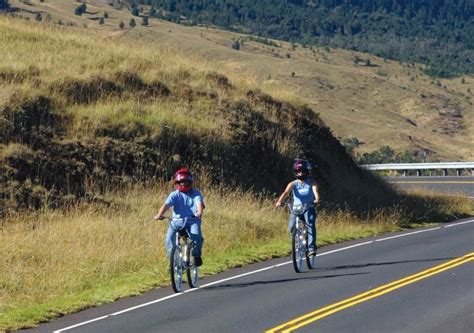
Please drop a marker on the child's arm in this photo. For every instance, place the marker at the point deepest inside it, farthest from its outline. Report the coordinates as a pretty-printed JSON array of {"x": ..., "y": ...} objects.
[
  {"x": 200, "y": 209},
  {"x": 162, "y": 212},
  {"x": 315, "y": 192},
  {"x": 285, "y": 193}
]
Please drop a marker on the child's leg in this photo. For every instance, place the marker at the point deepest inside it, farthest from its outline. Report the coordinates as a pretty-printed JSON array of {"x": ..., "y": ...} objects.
[
  {"x": 310, "y": 216},
  {"x": 196, "y": 236},
  {"x": 291, "y": 223},
  {"x": 169, "y": 241}
]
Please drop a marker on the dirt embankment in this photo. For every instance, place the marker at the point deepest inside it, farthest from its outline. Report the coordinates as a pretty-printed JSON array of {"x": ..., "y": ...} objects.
[{"x": 255, "y": 150}]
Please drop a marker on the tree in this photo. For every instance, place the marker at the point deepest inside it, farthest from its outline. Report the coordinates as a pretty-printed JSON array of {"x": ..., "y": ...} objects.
[
  {"x": 135, "y": 11},
  {"x": 81, "y": 9},
  {"x": 4, "y": 5},
  {"x": 106, "y": 15},
  {"x": 101, "y": 21},
  {"x": 145, "y": 21},
  {"x": 236, "y": 45},
  {"x": 38, "y": 17},
  {"x": 132, "y": 23},
  {"x": 121, "y": 25}
]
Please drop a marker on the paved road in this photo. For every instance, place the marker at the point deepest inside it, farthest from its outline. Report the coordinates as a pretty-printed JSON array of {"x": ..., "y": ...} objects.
[
  {"x": 263, "y": 296},
  {"x": 444, "y": 185}
]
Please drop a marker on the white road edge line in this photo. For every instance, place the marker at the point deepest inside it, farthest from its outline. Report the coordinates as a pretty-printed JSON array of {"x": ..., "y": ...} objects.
[
  {"x": 245, "y": 274},
  {"x": 456, "y": 224},
  {"x": 408, "y": 234}
]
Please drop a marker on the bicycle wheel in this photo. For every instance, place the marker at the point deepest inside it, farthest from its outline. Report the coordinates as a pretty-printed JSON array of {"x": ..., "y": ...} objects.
[
  {"x": 192, "y": 270},
  {"x": 298, "y": 251},
  {"x": 176, "y": 269}
]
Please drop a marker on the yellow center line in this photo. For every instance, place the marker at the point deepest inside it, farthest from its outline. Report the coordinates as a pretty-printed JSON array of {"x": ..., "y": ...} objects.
[{"x": 379, "y": 291}]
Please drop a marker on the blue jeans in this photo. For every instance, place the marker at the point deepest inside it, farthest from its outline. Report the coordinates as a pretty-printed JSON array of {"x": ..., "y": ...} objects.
[
  {"x": 193, "y": 226},
  {"x": 310, "y": 218}
]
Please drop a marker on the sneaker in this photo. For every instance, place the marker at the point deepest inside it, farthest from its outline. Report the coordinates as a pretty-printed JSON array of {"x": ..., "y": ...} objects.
[{"x": 198, "y": 261}]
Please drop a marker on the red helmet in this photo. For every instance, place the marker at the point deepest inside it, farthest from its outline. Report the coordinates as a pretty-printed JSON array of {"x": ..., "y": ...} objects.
[
  {"x": 302, "y": 166},
  {"x": 183, "y": 180}
]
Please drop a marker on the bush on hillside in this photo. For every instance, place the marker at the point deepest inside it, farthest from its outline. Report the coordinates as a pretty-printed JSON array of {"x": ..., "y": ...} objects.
[
  {"x": 81, "y": 9},
  {"x": 4, "y": 5},
  {"x": 86, "y": 91}
]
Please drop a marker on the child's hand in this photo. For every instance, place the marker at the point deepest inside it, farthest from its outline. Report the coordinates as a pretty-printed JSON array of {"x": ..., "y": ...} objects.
[
  {"x": 278, "y": 203},
  {"x": 158, "y": 217}
]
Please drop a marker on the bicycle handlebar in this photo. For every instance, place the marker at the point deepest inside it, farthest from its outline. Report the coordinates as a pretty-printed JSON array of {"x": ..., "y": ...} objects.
[{"x": 299, "y": 209}]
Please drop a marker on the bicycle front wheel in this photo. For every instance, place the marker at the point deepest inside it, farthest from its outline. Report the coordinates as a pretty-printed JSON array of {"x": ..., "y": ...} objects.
[
  {"x": 311, "y": 261},
  {"x": 176, "y": 269},
  {"x": 298, "y": 252},
  {"x": 192, "y": 270}
]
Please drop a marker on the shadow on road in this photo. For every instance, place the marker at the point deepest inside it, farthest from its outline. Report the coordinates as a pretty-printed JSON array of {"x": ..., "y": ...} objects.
[
  {"x": 321, "y": 270},
  {"x": 381, "y": 264},
  {"x": 301, "y": 278}
]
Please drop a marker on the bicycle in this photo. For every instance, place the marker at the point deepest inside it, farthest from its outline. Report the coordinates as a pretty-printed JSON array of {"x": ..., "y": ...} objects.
[
  {"x": 299, "y": 239},
  {"x": 181, "y": 257}
]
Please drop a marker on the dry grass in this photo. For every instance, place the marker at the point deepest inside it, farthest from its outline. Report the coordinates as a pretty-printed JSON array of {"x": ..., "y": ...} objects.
[
  {"x": 59, "y": 261},
  {"x": 81, "y": 73}
]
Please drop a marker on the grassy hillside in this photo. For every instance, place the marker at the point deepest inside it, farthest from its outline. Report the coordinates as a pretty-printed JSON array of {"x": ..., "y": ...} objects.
[
  {"x": 387, "y": 103},
  {"x": 88, "y": 114}
]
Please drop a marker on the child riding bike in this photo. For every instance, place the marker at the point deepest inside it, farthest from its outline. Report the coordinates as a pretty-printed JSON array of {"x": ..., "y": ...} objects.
[
  {"x": 186, "y": 201},
  {"x": 305, "y": 191}
]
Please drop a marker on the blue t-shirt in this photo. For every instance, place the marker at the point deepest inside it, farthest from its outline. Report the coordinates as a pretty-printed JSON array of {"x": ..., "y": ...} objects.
[
  {"x": 303, "y": 193},
  {"x": 184, "y": 203}
]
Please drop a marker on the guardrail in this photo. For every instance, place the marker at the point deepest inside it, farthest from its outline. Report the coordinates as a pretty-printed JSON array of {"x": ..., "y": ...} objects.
[{"x": 418, "y": 167}]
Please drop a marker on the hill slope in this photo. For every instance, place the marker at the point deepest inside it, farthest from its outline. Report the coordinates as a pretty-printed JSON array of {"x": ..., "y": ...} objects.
[
  {"x": 386, "y": 103},
  {"x": 436, "y": 33},
  {"x": 87, "y": 115}
]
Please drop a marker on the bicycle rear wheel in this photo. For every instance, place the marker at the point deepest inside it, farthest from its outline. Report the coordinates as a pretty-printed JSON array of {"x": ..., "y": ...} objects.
[
  {"x": 176, "y": 269},
  {"x": 192, "y": 270},
  {"x": 298, "y": 252}
]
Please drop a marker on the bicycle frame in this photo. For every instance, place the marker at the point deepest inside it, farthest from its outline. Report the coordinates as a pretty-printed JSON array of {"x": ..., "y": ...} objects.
[
  {"x": 181, "y": 253},
  {"x": 299, "y": 237}
]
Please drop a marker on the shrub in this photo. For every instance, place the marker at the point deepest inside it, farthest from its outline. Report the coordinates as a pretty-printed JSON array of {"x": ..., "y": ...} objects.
[
  {"x": 4, "y": 4},
  {"x": 81, "y": 9},
  {"x": 236, "y": 45}
]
